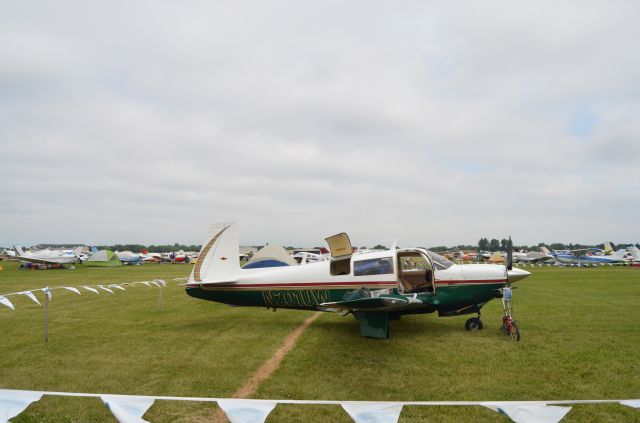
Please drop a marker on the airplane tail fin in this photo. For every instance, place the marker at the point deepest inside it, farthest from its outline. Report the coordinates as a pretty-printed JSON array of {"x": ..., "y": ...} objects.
[
  {"x": 218, "y": 261},
  {"x": 545, "y": 250},
  {"x": 635, "y": 253},
  {"x": 19, "y": 250},
  {"x": 608, "y": 249}
]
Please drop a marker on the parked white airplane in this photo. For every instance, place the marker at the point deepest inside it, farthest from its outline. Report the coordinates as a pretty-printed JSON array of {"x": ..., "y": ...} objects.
[
  {"x": 373, "y": 286},
  {"x": 635, "y": 254},
  {"x": 49, "y": 257},
  {"x": 532, "y": 256}
]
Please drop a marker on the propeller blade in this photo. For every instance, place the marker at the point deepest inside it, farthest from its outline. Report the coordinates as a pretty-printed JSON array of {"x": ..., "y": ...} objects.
[{"x": 509, "y": 254}]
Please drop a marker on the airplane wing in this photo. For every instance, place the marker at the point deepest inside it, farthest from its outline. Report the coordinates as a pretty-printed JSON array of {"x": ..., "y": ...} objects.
[
  {"x": 382, "y": 303},
  {"x": 37, "y": 260}
]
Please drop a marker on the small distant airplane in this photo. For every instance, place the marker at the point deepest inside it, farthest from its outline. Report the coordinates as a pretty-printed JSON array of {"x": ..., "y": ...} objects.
[
  {"x": 533, "y": 256},
  {"x": 7, "y": 253},
  {"x": 49, "y": 257},
  {"x": 373, "y": 286},
  {"x": 635, "y": 254},
  {"x": 128, "y": 257},
  {"x": 304, "y": 257},
  {"x": 585, "y": 256}
]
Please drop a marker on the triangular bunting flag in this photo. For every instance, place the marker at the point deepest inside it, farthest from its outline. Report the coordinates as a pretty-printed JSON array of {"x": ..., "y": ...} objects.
[
  {"x": 47, "y": 292},
  {"x": 72, "y": 289},
  {"x": 246, "y": 411},
  {"x": 146, "y": 283},
  {"x": 631, "y": 403},
  {"x": 525, "y": 413},
  {"x": 373, "y": 412},
  {"x": 156, "y": 283},
  {"x": 30, "y": 295},
  {"x": 105, "y": 288},
  {"x": 116, "y": 286},
  {"x": 13, "y": 402},
  {"x": 161, "y": 282},
  {"x": 127, "y": 409},
  {"x": 5, "y": 301},
  {"x": 88, "y": 288}
]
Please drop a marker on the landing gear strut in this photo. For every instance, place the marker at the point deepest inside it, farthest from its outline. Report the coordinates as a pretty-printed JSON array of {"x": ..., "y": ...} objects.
[{"x": 474, "y": 323}]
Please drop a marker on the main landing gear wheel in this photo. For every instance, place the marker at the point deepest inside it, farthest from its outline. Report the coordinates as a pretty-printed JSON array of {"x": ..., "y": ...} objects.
[{"x": 474, "y": 323}]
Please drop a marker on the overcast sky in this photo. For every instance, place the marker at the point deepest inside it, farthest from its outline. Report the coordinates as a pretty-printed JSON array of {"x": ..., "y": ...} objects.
[{"x": 430, "y": 122}]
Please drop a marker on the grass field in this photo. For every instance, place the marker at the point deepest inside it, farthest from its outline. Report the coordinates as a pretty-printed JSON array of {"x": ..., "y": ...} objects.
[{"x": 580, "y": 339}]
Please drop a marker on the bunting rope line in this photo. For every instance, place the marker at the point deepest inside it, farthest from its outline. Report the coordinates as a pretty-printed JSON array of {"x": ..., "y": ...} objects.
[
  {"x": 76, "y": 289},
  {"x": 125, "y": 407},
  {"x": 335, "y": 402}
]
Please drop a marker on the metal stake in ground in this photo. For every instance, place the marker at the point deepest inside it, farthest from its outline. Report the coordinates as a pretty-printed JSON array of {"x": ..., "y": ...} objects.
[
  {"x": 46, "y": 314},
  {"x": 161, "y": 302}
]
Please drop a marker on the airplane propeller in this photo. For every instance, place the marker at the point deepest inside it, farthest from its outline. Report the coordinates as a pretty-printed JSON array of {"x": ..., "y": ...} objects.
[{"x": 510, "y": 254}]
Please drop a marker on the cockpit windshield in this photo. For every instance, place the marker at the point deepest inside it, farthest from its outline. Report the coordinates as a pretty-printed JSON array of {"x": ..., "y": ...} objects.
[{"x": 439, "y": 262}]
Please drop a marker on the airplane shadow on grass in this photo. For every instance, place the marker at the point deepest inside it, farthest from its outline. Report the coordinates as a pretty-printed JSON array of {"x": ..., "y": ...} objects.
[{"x": 407, "y": 327}]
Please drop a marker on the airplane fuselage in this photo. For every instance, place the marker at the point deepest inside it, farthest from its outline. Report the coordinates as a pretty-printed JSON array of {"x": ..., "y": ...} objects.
[{"x": 457, "y": 290}]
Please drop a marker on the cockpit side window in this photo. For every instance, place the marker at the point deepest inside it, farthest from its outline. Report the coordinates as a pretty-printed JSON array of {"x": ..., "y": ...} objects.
[{"x": 439, "y": 262}]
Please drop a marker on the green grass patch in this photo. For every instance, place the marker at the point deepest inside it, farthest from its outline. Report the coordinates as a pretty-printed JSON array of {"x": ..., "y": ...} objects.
[{"x": 579, "y": 341}]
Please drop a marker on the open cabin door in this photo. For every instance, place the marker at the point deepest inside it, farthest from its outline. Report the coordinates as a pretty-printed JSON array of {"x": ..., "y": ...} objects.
[
  {"x": 341, "y": 252},
  {"x": 415, "y": 272}
]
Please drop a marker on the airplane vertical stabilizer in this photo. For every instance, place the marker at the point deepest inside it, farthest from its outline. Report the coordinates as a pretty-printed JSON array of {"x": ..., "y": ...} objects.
[
  {"x": 19, "y": 250},
  {"x": 635, "y": 253},
  {"x": 218, "y": 260},
  {"x": 608, "y": 249}
]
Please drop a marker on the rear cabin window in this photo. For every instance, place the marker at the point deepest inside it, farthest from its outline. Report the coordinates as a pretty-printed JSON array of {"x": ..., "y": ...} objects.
[{"x": 379, "y": 266}]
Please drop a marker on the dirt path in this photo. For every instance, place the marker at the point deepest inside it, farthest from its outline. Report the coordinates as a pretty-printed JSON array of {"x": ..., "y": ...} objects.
[{"x": 268, "y": 367}]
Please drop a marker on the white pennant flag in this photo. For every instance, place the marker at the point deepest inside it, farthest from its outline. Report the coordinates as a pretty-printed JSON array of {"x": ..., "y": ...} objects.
[
  {"x": 105, "y": 288},
  {"x": 116, "y": 286},
  {"x": 156, "y": 283},
  {"x": 5, "y": 301},
  {"x": 146, "y": 283},
  {"x": 30, "y": 295},
  {"x": 88, "y": 288},
  {"x": 373, "y": 412},
  {"x": 247, "y": 411},
  {"x": 48, "y": 293},
  {"x": 161, "y": 282},
  {"x": 631, "y": 403},
  {"x": 525, "y": 413},
  {"x": 13, "y": 402},
  {"x": 127, "y": 409},
  {"x": 72, "y": 289}
]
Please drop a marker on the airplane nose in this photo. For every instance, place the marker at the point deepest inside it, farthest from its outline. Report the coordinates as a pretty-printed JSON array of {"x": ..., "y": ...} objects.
[{"x": 516, "y": 274}]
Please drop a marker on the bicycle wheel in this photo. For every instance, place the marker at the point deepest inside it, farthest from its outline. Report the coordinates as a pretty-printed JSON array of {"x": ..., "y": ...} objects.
[{"x": 513, "y": 331}]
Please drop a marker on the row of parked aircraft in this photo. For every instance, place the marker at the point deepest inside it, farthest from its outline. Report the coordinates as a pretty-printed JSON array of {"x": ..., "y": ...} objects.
[
  {"x": 267, "y": 255},
  {"x": 582, "y": 257},
  {"x": 69, "y": 257}
]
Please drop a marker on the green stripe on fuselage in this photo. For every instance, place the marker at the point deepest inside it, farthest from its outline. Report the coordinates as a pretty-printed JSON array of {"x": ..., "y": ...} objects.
[{"x": 448, "y": 299}]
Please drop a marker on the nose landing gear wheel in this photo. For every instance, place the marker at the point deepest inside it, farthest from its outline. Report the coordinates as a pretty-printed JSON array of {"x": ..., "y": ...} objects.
[{"x": 474, "y": 323}]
